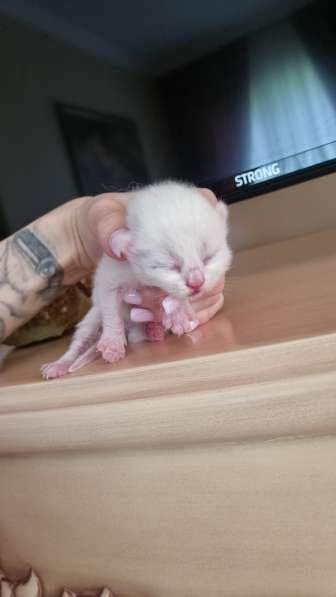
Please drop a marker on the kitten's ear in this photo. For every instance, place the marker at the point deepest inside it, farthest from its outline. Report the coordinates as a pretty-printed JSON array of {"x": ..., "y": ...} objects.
[
  {"x": 120, "y": 241},
  {"x": 222, "y": 210}
]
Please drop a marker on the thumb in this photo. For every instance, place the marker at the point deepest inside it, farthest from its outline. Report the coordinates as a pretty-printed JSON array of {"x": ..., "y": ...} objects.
[{"x": 107, "y": 214}]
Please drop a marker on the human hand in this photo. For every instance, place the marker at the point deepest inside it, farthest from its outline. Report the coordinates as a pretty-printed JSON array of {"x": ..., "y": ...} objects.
[{"x": 147, "y": 304}]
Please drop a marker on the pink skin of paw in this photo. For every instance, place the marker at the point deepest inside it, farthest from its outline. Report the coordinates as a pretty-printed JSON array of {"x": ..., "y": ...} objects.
[
  {"x": 179, "y": 316},
  {"x": 112, "y": 348},
  {"x": 55, "y": 369}
]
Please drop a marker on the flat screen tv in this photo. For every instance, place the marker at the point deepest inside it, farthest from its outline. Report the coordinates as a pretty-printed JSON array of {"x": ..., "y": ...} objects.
[{"x": 260, "y": 113}]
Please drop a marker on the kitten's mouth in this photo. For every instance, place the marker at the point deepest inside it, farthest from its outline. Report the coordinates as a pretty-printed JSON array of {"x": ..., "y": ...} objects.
[{"x": 197, "y": 292}]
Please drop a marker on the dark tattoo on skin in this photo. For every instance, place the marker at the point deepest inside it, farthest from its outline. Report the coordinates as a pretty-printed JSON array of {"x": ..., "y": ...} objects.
[
  {"x": 23, "y": 258},
  {"x": 28, "y": 247},
  {"x": 4, "y": 276},
  {"x": 13, "y": 312},
  {"x": 41, "y": 260}
]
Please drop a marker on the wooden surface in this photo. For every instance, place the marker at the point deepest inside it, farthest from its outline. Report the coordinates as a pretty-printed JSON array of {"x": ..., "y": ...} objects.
[
  {"x": 276, "y": 333},
  {"x": 283, "y": 292},
  {"x": 204, "y": 466},
  {"x": 242, "y": 520}
]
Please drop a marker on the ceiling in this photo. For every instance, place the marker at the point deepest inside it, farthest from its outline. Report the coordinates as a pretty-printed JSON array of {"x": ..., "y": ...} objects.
[{"x": 152, "y": 36}]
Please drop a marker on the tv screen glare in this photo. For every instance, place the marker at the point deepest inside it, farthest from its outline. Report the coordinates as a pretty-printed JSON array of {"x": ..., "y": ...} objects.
[{"x": 260, "y": 113}]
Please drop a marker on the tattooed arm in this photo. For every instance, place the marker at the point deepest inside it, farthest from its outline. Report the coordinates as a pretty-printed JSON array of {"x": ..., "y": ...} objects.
[{"x": 36, "y": 264}]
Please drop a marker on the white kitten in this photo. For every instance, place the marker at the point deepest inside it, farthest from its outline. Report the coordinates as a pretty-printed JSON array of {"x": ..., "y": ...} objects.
[{"x": 175, "y": 240}]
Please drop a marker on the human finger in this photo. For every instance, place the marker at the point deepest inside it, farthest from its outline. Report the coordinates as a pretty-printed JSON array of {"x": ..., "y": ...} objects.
[
  {"x": 145, "y": 299},
  {"x": 206, "y": 314},
  {"x": 106, "y": 215}
]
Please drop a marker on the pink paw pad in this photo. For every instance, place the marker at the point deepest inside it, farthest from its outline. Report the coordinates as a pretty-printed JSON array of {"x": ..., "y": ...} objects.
[
  {"x": 111, "y": 349},
  {"x": 55, "y": 369},
  {"x": 154, "y": 331},
  {"x": 179, "y": 318}
]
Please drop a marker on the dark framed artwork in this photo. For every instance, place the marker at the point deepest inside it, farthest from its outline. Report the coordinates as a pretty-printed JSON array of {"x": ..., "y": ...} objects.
[{"x": 105, "y": 150}]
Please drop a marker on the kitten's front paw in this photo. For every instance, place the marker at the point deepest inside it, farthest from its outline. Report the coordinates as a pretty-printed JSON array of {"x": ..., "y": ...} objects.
[
  {"x": 55, "y": 369},
  {"x": 112, "y": 348},
  {"x": 179, "y": 316}
]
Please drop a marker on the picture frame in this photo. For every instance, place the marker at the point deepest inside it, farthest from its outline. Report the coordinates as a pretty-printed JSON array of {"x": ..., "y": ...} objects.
[{"x": 105, "y": 150}]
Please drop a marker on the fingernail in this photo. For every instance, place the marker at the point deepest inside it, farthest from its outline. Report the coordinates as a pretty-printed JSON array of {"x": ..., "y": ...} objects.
[
  {"x": 141, "y": 315},
  {"x": 193, "y": 325},
  {"x": 133, "y": 298},
  {"x": 169, "y": 305},
  {"x": 116, "y": 243}
]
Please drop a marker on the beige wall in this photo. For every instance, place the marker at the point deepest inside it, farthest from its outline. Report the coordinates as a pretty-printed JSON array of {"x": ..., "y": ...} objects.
[
  {"x": 293, "y": 211},
  {"x": 36, "y": 71}
]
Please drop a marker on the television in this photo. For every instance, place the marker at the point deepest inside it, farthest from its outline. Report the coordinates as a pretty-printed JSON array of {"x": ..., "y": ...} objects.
[{"x": 260, "y": 113}]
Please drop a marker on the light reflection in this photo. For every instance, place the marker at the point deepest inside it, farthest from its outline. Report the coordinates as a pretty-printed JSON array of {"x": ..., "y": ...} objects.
[{"x": 290, "y": 108}]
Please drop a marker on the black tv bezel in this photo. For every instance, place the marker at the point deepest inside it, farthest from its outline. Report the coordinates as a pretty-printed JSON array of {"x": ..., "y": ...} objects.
[{"x": 277, "y": 183}]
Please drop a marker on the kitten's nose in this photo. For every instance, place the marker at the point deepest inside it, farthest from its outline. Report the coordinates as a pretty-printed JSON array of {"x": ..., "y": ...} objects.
[{"x": 195, "y": 279}]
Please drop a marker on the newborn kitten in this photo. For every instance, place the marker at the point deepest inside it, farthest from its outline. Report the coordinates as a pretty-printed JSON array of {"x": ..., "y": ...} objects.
[{"x": 175, "y": 240}]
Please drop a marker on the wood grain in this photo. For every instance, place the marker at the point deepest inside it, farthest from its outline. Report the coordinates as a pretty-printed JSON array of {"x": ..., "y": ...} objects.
[
  {"x": 214, "y": 520},
  {"x": 204, "y": 466}
]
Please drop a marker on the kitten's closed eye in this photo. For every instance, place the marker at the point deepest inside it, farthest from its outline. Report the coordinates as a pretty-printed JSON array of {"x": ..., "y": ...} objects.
[
  {"x": 208, "y": 258},
  {"x": 167, "y": 266}
]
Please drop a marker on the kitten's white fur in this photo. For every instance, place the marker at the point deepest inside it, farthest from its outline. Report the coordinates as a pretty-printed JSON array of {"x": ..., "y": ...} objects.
[{"x": 172, "y": 230}]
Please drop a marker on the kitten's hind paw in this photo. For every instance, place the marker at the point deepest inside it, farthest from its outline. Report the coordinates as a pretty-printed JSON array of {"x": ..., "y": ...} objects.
[
  {"x": 154, "y": 331},
  {"x": 112, "y": 349},
  {"x": 55, "y": 369}
]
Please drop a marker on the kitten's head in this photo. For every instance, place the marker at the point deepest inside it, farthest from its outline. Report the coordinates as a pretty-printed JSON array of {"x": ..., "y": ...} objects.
[{"x": 177, "y": 239}]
